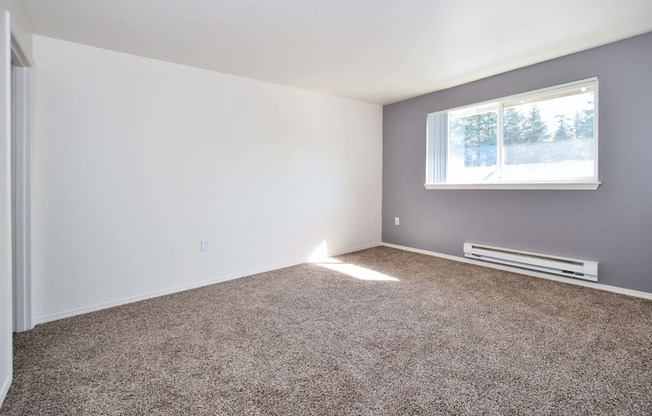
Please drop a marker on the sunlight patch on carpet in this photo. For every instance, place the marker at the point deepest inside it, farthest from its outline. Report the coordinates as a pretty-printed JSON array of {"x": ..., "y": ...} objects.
[
  {"x": 361, "y": 273},
  {"x": 321, "y": 258}
]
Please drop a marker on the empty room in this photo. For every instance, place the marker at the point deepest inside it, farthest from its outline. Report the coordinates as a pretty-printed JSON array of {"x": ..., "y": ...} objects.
[{"x": 247, "y": 207}]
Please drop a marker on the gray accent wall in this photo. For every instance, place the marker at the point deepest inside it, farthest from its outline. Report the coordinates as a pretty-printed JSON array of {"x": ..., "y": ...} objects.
[{"x": 612, "y": 225}]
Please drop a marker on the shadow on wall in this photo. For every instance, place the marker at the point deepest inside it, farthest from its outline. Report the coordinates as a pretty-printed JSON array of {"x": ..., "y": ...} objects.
[{"x": 321, "y": 258}]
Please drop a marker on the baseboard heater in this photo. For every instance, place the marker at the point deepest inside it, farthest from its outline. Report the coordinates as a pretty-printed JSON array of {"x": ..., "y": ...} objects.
[{"x": 562, "y": 266}]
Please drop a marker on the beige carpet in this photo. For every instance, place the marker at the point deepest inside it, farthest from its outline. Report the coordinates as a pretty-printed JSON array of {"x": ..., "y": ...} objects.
[{"x": 446, "y": 338}]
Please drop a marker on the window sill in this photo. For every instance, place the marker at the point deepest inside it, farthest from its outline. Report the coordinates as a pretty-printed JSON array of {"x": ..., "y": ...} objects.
[{"x": 570, "y": 186}]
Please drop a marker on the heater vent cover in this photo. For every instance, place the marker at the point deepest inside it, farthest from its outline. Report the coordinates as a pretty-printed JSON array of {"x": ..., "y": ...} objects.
[{"x": 562, "y": 266}]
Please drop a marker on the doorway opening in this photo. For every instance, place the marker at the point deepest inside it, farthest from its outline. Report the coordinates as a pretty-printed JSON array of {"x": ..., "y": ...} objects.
[{"x": 21, "y": 158}]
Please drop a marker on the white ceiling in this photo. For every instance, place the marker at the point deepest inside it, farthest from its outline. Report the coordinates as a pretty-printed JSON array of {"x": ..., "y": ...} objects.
[{"x": 379, "y": 51}]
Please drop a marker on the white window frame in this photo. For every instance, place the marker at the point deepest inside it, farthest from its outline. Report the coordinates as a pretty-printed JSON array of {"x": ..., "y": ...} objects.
[{"x": 436, "y": 147}]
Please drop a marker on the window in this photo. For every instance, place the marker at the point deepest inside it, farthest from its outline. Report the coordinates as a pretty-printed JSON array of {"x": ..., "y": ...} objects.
[{"x": 544, "y": 139}]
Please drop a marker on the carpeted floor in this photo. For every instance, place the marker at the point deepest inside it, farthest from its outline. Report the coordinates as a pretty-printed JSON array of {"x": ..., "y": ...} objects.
[{"x": 445, "y": 338}]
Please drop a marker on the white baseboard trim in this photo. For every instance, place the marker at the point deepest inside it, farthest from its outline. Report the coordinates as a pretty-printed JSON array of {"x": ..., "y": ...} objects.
[
  {"x": 352, "y": 250},
  {"x": 5, "y": 389},
  {"x": 130, "y": 299},
  {"x": 599, "y": 286}
]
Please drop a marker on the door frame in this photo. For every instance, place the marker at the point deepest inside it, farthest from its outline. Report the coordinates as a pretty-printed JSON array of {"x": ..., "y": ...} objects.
[
  {"x": 22, "y": 161},
  {"x": 6, "y": 302}
]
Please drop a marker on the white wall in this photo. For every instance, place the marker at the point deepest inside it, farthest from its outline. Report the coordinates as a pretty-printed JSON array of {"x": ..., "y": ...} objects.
[{"x": 137, "y": 160}]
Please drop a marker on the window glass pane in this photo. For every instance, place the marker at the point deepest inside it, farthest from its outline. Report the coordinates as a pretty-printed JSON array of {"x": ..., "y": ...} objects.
[
  {"x": 472, "y": 144},
  {"x": 549, "y": 137},
  {"x": 545, "y": 136}
]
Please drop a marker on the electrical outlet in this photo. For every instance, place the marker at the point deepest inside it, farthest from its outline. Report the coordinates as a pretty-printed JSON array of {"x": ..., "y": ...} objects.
[
  {"x": 205, "y": 245},
  {"x": 396, "y": 221}
]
